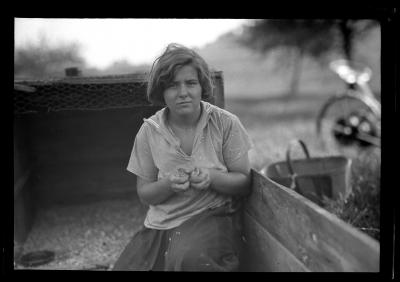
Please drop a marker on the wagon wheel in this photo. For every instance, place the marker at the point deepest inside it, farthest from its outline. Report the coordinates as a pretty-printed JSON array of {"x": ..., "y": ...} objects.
[{"x": 349, "y": 123}]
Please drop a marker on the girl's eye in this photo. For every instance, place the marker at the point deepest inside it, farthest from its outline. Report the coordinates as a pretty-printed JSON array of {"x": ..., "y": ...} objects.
[{"x": 192, "y": 83}]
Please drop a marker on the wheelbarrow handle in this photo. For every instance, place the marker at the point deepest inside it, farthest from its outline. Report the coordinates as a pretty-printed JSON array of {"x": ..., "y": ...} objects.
[{"x": 288, "y": 158}]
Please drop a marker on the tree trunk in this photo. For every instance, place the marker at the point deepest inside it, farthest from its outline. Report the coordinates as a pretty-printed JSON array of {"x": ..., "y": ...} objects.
[
  {"x": 346, "y": 30},
  {"x": 297, "y": 63}
]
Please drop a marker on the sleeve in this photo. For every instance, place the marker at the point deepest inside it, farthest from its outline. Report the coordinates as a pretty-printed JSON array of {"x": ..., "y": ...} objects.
[
  {"x": 236, "y": 140},
  {"x": 141, "y": 161}
]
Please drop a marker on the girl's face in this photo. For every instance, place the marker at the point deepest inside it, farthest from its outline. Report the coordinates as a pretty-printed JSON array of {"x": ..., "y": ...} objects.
[{"x": 183, "y": 95}]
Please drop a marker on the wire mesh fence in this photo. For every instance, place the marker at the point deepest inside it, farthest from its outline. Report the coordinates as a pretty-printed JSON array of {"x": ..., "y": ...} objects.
[{"x": 83, "y": 93}]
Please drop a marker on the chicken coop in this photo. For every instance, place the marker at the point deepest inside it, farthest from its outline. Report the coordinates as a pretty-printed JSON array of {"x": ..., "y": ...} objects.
[{"x": 73, "y": 137}]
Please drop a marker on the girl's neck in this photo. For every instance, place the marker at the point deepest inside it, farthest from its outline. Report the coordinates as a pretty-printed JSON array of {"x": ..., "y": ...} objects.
[{"x": 186, "y": 121}]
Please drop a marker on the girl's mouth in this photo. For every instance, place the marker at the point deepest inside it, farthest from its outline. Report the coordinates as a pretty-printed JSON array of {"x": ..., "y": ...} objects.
[{"x": 184, "y": 103}]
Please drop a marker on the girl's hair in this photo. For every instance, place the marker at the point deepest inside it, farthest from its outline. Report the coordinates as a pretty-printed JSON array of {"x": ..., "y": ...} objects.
[{"x": 165, "y": 67}]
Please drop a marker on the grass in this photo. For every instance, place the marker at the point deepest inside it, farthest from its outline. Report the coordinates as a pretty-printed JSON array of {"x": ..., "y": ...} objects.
[
  {"x": 362, "y": 208},
  {"x": 273, "y": 122}
]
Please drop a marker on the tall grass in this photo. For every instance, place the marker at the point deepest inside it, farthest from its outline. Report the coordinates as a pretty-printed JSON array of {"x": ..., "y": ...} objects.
[
  {"x": 362, "y": 208},
  {"x": 273, "y": 123}
]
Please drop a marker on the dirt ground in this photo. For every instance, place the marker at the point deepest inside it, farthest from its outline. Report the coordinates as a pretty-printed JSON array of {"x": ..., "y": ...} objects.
[{"x": 86, "y": 236}]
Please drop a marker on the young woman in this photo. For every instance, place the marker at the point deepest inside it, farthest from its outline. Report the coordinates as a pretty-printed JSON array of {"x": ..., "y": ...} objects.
[{"x": 192, "y": 167}]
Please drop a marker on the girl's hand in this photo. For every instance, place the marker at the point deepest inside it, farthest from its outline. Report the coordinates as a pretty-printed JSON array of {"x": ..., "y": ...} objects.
[
  {"x": 179, "y": 180},
  {"x": 200, "y": 178}
]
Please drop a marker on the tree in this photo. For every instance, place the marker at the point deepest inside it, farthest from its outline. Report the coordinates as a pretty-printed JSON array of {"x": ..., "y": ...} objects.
[
  {"x": 42, "y": 60},
  {"x": 350, "y": 30},
  {"x": 300, "y": 37}
]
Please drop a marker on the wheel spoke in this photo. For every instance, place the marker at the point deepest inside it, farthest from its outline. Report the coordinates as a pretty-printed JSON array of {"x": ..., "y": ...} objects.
[{"x": 347, "y": 121}]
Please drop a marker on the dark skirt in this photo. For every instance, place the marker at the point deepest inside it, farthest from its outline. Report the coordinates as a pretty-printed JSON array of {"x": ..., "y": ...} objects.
[{"x": 210, "y": 241}]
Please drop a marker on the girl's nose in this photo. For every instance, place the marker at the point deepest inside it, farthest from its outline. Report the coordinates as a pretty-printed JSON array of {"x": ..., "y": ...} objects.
[{"x": 183, "y": 90}]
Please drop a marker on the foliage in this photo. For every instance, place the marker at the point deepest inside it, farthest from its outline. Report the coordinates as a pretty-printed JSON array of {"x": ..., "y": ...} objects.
[
  {"x": 315, "y": 37},
  {"x": 42, "y": 59},
  {"x": 362, "y": 208},
  {"x": 311, "y": 36},
  {"x": 303, "y": 37},
  {"x": 117, "y": 67}
]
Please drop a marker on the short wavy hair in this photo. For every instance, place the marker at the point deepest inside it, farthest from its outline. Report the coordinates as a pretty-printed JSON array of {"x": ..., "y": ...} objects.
[{"x": 165, "y": 67}]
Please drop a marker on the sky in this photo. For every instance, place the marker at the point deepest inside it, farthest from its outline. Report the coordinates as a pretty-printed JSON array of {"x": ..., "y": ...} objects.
[{"x": 139, "y": 41}]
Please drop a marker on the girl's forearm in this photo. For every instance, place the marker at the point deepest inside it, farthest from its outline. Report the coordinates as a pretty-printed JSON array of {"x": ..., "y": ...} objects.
[
  {"x": 230, "y": 183},
  {"x": 155, "y": 192}
]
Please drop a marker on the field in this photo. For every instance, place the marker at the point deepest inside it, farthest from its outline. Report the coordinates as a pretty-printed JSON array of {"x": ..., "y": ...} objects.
[{"x": 272, "y": 123}]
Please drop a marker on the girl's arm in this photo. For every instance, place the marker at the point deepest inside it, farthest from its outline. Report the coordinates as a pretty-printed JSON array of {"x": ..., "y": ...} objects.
[
  {"x": 153, "y": 193},
  {"x": 234, "y": 182}
]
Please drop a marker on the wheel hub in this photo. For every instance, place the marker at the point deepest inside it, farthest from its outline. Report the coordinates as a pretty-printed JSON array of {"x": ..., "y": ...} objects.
[{"x": 355, "y": 129}]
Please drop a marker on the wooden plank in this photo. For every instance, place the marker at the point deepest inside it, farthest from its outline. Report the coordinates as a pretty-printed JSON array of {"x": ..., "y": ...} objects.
[
  {"x": 24, "y": 214},
  {"x": 319, "y": 239},
  {"x": 263, "y": 253},
  {"x": 23, "y": 84},
  {"x": 70, "y": 183},
  {"x": 218, "y": 97}
]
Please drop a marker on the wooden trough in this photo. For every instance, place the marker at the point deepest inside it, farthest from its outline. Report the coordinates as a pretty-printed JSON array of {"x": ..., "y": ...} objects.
[{"x": 72, "y": 137}]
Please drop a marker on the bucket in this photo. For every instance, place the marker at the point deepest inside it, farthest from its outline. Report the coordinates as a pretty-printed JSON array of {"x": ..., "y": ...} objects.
[{"x": 314, "y": 178}]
